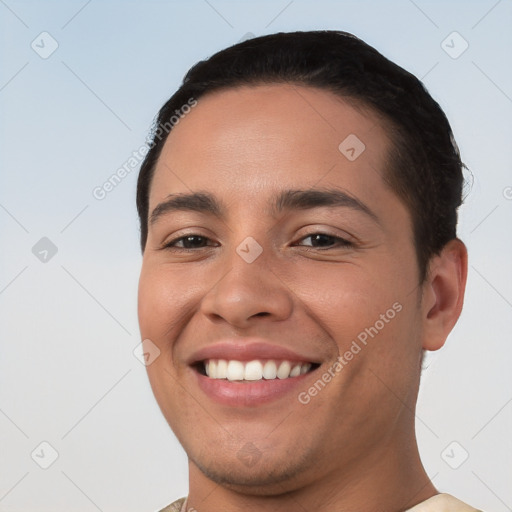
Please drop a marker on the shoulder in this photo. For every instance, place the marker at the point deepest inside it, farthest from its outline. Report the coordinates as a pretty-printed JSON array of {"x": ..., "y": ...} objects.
[
  {"x": 176, "y": 506},
  {"x": 442, "y": 503}
]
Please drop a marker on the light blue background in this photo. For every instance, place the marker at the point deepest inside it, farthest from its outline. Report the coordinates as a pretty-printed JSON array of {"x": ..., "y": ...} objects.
[{"x": 68, "y": 327}]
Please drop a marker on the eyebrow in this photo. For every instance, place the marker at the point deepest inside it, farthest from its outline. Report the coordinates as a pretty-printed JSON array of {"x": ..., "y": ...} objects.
[{"x": 286, "y": 200}]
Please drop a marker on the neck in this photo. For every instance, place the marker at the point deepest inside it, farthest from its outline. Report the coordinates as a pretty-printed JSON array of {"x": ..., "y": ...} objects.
[{"x": 390, "y": 478}]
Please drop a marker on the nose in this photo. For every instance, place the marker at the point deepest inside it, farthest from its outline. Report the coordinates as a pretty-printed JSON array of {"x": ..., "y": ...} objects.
[{"x": 247, "y": 292}]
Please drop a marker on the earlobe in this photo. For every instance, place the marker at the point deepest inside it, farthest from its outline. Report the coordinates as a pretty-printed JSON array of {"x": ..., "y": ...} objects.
[{"x": 443, "y": 294}]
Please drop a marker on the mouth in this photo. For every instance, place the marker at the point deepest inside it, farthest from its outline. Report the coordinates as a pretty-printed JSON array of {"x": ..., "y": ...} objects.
[
  {"x": 257, "y": 382},
  {"x": 253, "y": 371},
  {"x": 250, "y": 373}
]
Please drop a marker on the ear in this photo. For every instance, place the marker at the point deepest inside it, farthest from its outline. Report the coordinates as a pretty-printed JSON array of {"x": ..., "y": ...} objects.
[{"x": 443, "y": 293}]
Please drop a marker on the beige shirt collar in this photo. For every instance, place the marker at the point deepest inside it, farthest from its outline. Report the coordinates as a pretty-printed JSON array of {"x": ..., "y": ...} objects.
[
  {"x": 442, "y": 503},
  {"x": 438, "y": 503}
]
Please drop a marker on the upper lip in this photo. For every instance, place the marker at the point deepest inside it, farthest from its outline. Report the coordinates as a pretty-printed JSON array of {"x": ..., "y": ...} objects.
[{"x": 248, "y": 351}]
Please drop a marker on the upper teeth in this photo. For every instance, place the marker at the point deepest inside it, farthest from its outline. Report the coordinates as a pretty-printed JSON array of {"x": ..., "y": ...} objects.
[{"x": 253, "y": 370}]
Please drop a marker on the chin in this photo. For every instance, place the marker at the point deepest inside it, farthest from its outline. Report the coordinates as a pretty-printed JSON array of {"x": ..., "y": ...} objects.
[{"x": 255, "y": 474}]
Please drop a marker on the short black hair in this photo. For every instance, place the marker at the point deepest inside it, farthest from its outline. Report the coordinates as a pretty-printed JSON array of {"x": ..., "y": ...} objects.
[{"x": 424, "y": 168}]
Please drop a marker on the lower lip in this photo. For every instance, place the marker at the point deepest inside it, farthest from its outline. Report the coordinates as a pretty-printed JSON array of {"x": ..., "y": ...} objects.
[{"x": 249, "y": 393}]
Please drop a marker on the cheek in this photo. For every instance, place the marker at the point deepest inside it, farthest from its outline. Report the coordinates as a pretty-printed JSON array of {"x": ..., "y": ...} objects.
[
  {"x": 161, "y": 301},
  {"x": 371, "y": 315},
  {"x": 349, "y": 300},
  {"x": 160, "y": 304},
  {"x": 150, "y": 303},
  {"x": 167, "y": 300}
]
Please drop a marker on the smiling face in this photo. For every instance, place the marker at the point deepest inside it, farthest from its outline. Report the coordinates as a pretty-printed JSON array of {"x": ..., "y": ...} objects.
[{"x": 270, "y": 249}]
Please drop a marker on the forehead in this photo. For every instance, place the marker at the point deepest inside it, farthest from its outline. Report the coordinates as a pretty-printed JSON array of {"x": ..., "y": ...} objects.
[{"x": 257, "y": 139}]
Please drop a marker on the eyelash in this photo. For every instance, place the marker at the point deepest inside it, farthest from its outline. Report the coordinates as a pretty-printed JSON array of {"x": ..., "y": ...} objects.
[{"x": 341, "y": 242}]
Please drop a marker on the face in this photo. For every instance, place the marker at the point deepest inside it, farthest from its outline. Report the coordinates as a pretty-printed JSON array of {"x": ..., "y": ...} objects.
[{"x": 279, "y": 282}]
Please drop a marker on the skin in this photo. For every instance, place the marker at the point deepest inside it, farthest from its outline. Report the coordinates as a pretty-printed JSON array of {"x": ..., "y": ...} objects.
[{"x": 353, "y": 446}]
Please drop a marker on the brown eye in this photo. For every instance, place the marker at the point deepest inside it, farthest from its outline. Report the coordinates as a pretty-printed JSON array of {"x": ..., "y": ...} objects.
[
  {"x": 324, "y": 240},
  {"x": 189, "y": 242}
]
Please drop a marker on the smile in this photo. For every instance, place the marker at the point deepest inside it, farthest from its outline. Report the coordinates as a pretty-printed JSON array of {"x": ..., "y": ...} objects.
[
  {"x": 250, "y": 372},
  {"x": 255, "y": 370}
]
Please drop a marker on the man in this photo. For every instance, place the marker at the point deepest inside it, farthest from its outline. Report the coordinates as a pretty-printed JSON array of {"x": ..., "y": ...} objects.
[{"x": 298, "y": 211}]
